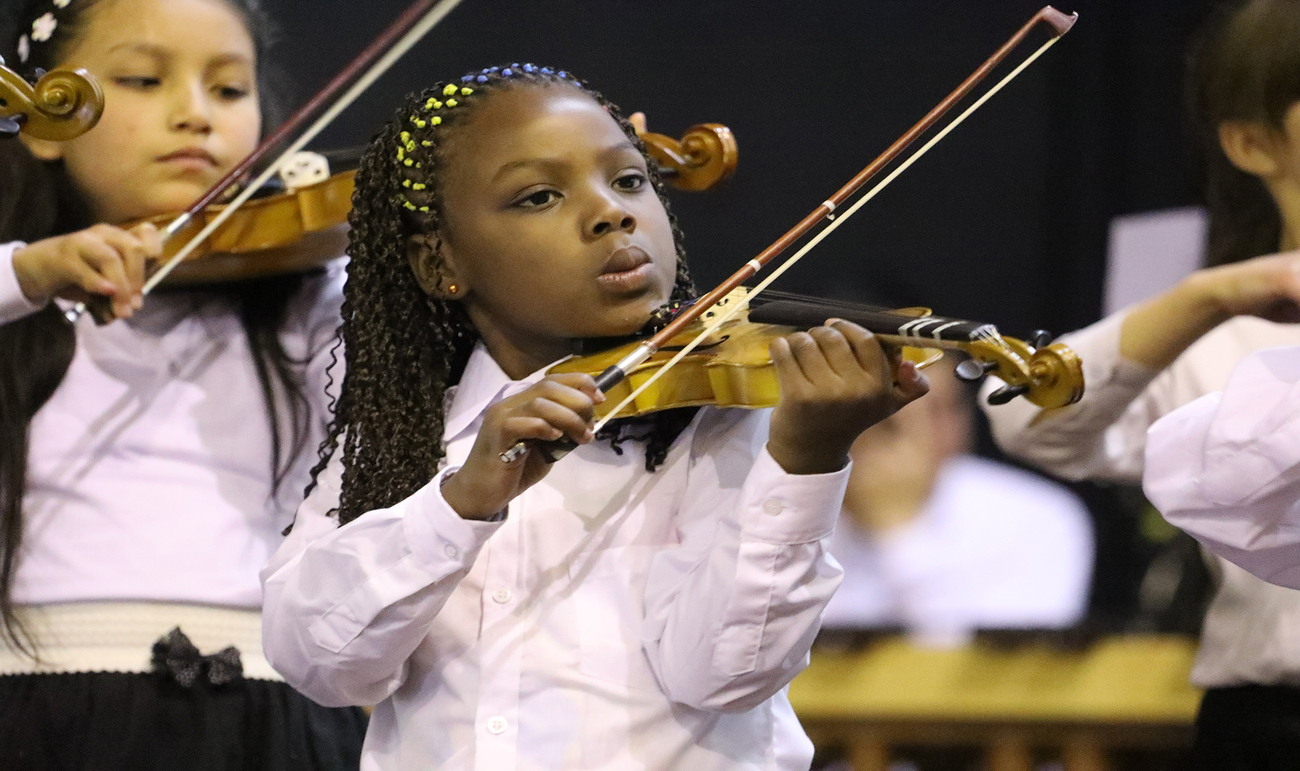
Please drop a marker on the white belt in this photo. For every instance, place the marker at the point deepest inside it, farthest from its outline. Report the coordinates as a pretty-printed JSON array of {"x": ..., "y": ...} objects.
[{"x": 119, "y": 636}]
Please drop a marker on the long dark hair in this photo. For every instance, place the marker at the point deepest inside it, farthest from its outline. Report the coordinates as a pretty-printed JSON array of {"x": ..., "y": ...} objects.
[
  {"x": 405, "y": 348},
  {"x": 1245, "y": 66},
  {"x": 39, "y": 200}
]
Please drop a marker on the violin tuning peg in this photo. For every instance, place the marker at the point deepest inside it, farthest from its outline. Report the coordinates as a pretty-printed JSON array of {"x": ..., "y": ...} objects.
[
  {"x": 1040, "y": 338},
  {"x": 9, "y": 127},
  {"x": 1007, "y": 393},
  {"x": 974, "y": 370}
]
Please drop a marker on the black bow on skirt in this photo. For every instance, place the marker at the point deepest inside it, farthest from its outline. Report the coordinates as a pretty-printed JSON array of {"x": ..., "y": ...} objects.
[{"x": 176, "y": 657}]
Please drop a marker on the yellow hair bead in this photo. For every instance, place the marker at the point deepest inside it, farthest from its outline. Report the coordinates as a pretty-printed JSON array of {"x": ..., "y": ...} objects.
[
  {"x": 410, "y": 147},
  {"x": 435, "y": 120},
  {"x": 428, "y": 105},
  {"x": 452, "y": 103},
  {"x": 466, "y": 91},
  {"x": 449, "y": 90},
  {"x": 406, "y": 183},
  {"x": 427, "y": 143},
  {"x": 406, "y": 136},
  {"x": 418, "y": 185},
  {"x": 400, "y": 153},
  {"x": 409, "y": 205},
  {"x": 424, "y": 208},
  {"x": 408, "y": 161},
  {"x": 436, "y": 104}
]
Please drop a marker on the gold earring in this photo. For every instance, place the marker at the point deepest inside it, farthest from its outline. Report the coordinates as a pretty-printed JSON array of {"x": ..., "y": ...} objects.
[{"x": 452, "y": 289}]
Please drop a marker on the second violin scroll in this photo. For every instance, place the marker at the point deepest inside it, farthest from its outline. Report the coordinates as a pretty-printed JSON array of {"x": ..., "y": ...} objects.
[{"x": 63, "y": 104}]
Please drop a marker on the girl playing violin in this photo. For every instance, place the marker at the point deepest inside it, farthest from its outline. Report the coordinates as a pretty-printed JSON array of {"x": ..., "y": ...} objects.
[
  {"x": 643, "y": 602},
  {"x": 1150, "y": 359},
  {"x": 150, "y": 464}
]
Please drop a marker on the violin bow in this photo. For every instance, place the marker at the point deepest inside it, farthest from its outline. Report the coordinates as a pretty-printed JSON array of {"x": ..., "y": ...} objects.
[
  {"x": 364, "y": 70},
  {"x": 824, "y": 214}
]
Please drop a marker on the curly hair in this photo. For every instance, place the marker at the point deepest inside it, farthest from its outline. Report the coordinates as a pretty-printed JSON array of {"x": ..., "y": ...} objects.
[{"x": 405, "y": 348}]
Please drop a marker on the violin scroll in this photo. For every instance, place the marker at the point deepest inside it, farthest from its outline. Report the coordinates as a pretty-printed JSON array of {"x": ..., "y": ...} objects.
[
  {"x": 62, "y": 105},
  {"x": 1050, "y": 376},
  {"x": 705, "y": 155}
]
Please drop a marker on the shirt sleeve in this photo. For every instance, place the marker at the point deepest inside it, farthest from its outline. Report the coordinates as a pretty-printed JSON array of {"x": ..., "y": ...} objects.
[
  {"x": 345, "y": 607},
  {"x": 731, "y": 611},
  {"x": 1103, "y": 436},
  {"x": 1226, "y": 467},
  {"x": 14, "y": 304}
]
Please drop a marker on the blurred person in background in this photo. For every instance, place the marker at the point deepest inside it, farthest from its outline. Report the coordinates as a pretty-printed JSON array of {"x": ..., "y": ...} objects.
[{"x": 941, "y": 542}]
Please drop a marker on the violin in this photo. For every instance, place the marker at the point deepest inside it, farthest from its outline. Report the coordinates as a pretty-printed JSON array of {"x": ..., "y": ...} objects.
[
  {"x": 62, "y": 104},
  {"x": 731, "y": 367}
]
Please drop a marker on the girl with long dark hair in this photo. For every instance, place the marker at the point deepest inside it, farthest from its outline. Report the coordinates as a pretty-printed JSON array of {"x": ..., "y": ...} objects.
[{"x": 149, "y": 465}]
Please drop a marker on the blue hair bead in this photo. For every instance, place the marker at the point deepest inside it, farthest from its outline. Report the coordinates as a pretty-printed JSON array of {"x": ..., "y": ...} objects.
[
  {"x": 562, "y": 74},
  {"x": 547, "y": 71},
  {"x": 507, "y": 72},
  {"x": 482, "y": 78},
  {"x": 490, "y": 70},
  {"x": 466, "y": 78},
  {"x": 529, "y": 68}
]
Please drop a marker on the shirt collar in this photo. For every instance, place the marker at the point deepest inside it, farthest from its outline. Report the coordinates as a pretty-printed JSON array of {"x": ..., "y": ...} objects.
[{"x": 483, "y": 384}]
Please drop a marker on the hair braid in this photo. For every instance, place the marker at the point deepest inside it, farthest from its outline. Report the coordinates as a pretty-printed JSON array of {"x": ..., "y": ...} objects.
[{"x": 404, "y": 347}]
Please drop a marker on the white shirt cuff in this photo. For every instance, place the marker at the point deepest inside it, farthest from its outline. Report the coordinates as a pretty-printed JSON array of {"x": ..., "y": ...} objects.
[
  {"x": 437, "y": 534},
  {"x": 14, "y": 304},
  {"x": 789, "y": 508}
]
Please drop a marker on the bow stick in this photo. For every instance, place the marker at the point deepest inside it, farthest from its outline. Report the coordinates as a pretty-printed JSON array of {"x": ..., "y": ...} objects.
[
  {"x": 369, "y": 65},
  {"x": 1060, "y": 23}
]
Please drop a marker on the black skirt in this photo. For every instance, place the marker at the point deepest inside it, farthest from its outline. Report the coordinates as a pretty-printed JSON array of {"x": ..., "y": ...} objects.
[
  {"x": 1248, "y": 728},
  {"x": 106, "y": 721}
]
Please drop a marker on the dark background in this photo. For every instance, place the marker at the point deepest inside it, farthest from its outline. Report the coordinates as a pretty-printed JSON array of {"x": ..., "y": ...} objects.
[{"x": 1004, "y": 222}]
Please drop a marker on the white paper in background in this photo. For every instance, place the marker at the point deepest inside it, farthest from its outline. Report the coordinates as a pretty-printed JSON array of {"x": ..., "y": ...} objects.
[{"x": 1150, "y": 252}]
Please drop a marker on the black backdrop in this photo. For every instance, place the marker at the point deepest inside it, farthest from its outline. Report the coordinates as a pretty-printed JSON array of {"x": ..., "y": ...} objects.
[{"x": 1005, "y": 221}]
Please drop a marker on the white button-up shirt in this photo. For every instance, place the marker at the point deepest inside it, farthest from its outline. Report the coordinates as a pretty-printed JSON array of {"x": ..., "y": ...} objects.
[
  {"x": 149, "y": 468},
  {"x": 1249, "y": 634},
  {"x": 616, "y": 619},
  {"x": 1226, "y": 468}
]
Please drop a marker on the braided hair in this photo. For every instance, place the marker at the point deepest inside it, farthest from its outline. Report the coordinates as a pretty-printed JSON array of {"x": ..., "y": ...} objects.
[{"x": 405, "y": 348}]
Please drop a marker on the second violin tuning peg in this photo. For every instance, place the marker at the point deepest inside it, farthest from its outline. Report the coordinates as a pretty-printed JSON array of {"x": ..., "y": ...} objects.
[
  {"x": 974, "y": 370},
  {"x": 9, "y": 127},
  {"x": 1040, "y": 338},
  {"x": 1007, "y": 393}
]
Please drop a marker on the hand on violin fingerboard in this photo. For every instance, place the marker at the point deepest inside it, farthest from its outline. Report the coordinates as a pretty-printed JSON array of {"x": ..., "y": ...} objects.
[
  {"x": 836, "y": 381},
  {"x": 557, "y": 406},
  {"x": 99, "y": 261}
]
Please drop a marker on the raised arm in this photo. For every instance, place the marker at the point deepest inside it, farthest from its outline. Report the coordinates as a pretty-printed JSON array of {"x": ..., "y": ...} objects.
[{"x": 1226, "y": 468}]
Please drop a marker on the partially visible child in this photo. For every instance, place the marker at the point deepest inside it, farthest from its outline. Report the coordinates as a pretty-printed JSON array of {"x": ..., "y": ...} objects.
[
  {"x": 149, "y": 465},
  {"x": 644, "y": 602},
  {"x": 1150, "y": 359},
  {"x": 1226, "y": 468}
]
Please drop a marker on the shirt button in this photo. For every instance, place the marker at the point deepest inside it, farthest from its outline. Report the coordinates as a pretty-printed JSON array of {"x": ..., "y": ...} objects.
[
  {"x": 502, "y": 595},
  {"x": 451, "y": 551},
  {"x": 498, "y": 725},
  {"x": 772, "y": 506}
]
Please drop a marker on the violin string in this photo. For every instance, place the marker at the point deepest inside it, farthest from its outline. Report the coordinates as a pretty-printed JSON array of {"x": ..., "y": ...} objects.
[{"x": 834, "y": 223}]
